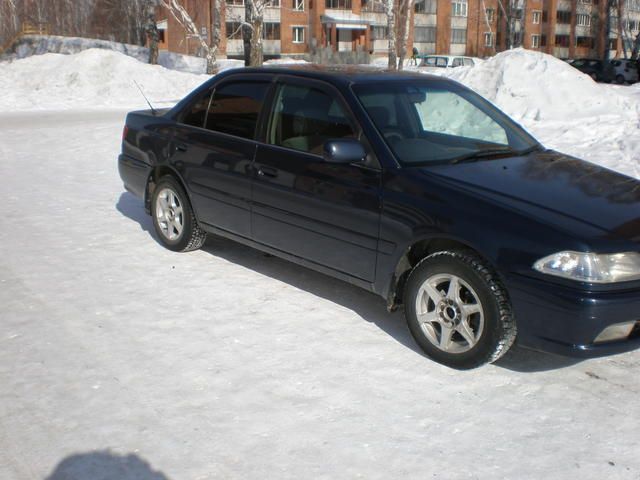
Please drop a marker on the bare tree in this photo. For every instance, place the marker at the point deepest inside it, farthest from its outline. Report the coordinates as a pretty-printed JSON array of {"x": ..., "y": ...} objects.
[
  {"x": 210, "y": 49},
  {"x": 403, "y": 25},
  {"x": 390, "y": 11},
  {"x": 252, "y": 26},
  {"x": 153, "y": 35}
]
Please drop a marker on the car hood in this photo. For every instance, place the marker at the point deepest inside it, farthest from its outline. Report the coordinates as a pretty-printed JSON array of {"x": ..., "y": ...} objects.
[{"x": 552, "y": 185}]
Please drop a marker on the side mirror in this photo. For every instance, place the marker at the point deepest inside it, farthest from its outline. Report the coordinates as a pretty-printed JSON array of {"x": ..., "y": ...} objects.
[{"x": 345, "y": 150}]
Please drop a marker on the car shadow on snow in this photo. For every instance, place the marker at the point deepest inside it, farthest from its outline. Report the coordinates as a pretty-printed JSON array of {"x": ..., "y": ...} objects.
[
  {"x": 367, "y": 305},
  {"x": 105, "y": 465}
]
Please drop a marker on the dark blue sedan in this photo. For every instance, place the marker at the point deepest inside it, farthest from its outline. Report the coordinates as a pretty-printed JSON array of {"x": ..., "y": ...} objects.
[{"x": 407, "y": 185}]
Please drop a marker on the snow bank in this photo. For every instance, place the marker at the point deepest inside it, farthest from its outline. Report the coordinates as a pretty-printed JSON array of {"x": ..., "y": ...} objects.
[
  {"x": 93, "y": 78},
  {"x": 30, "y": 45},
  {"x": 563, "y": 108},
  {"x": 538, "y": 86}
]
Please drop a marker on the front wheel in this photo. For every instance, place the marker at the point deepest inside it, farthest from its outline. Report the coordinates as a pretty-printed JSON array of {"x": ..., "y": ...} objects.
[
  {"x": 620, "y": 79},
  {"x": 458, "y": 311},
  {"x": 173, "y": 218}
]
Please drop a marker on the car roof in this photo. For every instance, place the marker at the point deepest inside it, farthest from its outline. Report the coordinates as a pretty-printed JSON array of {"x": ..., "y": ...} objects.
[{"x": 337, "y": 74}]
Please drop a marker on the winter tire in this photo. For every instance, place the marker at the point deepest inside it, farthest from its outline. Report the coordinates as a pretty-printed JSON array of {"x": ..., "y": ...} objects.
[
  {"x": 458, "y": 311},
  {"x": 173, "y": 218}
]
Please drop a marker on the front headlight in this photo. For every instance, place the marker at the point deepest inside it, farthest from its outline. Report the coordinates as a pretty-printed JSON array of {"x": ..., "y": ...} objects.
[{"x": 592, "y": 267}]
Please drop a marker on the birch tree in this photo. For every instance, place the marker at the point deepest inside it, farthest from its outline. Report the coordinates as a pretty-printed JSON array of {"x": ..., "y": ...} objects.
[
  {"x": 403, "y": 25},
  {"x": 210, "y": 49}
]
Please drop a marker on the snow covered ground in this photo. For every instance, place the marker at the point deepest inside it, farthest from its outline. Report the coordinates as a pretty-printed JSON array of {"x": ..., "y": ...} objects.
[{"x": 122, "y": 360}]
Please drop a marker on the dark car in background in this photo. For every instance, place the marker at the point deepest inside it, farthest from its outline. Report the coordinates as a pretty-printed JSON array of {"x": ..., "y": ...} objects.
[
  {"x": 410, "y": 186},
  {"x": 599, "y": 70}
]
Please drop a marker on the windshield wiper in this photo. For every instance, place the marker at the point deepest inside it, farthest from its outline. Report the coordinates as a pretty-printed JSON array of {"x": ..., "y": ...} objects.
[
  {"x": 492, "y": 152},
  {"x": 470, "y": 157}
]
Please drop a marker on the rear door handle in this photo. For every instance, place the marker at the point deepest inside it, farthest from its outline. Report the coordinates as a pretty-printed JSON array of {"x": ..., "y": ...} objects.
[{"x": 267, "y": 171}]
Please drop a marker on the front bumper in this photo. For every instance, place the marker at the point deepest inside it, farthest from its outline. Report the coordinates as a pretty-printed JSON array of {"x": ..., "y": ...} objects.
[{"x": 564, "y": 320}]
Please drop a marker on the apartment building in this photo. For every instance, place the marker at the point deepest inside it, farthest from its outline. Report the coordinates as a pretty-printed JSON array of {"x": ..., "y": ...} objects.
[{"x": 564, "y": 28}]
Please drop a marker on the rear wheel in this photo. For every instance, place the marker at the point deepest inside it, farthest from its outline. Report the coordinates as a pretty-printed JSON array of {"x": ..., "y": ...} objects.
[
  {"x": 458, "y": 311},
  {"x": 620, "y": 79},
  {"x": 173, "y": 217}
]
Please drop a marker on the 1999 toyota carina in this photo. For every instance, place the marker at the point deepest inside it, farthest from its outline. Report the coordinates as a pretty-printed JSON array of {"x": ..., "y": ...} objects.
[{"x": 410, "y": 186}]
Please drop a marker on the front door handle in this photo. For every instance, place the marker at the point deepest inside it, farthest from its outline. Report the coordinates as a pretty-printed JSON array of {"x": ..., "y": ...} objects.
[
  {"x": 267, "y": 171},
  {"x": 181, "y": 147}
]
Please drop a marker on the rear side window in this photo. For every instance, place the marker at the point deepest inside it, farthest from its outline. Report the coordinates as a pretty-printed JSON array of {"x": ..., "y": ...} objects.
[
  {"x": 457, "y": 62},
  {"x": 235, "y": 108},
  {"x": 196, "y": 113}
]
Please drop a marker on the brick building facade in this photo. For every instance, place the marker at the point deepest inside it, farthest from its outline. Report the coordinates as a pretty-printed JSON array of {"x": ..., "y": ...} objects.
[{"x": 564, "y": 28}]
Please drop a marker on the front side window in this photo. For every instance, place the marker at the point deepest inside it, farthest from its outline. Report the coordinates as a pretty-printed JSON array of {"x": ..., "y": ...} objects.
[
  {"x": 304, "y": 118},
  {"x": 235, "y": 108},
  {"x": 425, "y": 124},
  {"x": 436, "y": 62}
]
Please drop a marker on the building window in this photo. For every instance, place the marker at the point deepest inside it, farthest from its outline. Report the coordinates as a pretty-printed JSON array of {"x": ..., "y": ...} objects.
[
  {"x": 298, "y": 5},
  {"x": 489, "y": 13},
  {"x": 584, "y": 42},
  {"x": 298, "y": 34},
  {"x": 379, "y": 32},
  {"x": 424, "y": 34},
  {"x": 373, "y": 6},
  {"x": 425, "y": 6},
  {"x": 583, "y": 19},
  {"x": 273, "y": 3},
  {"x": 239, "y": 3},
  {"x": 535, "y": 41},
  {"x": 536, "y": 15},
  {"x": 563, "y": 17},
  {"x": 459, "y": 8},
  {"x": 271, "y": 31},
  {"x": 562, "y": 40},
  {"x": 234, "y": 30},
  {"x": 459, "y": 35},
  {"x": 488, "y": 39},
  {"x": 340, "y": 4}
]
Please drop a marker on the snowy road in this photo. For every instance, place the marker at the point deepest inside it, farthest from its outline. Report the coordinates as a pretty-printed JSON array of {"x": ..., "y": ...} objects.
[{"x": 122, "y": 360}]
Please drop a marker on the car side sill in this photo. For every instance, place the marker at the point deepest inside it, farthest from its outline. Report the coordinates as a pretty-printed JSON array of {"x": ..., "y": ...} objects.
[{"x": 358, "y": 282}]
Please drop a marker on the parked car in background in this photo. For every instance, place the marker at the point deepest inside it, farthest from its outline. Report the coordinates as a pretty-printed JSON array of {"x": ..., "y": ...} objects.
[
  {"x": 410, "y": 186},
  {"x": 446, "y": 61},
  {"x": 599, "y": 70},
  {"x": 625, "y": 71}
]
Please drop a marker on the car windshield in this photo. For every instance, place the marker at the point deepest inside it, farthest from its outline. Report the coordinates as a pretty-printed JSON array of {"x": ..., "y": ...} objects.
[{"x": 434, "y": 122}]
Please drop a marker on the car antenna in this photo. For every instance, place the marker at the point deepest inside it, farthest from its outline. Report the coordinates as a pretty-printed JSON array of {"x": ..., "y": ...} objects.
[{"x": 153, "y": 110}]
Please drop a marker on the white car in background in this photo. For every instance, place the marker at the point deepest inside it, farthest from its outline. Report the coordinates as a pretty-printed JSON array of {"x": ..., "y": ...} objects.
[
  {"x": 446, "y": 61},
  {"x": 625, "y": 70}
]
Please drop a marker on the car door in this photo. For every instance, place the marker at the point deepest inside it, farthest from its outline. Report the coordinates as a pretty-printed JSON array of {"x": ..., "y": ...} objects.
[
  {"x": 214, "y": 146},
  {"x": 326, "y": 213}
]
